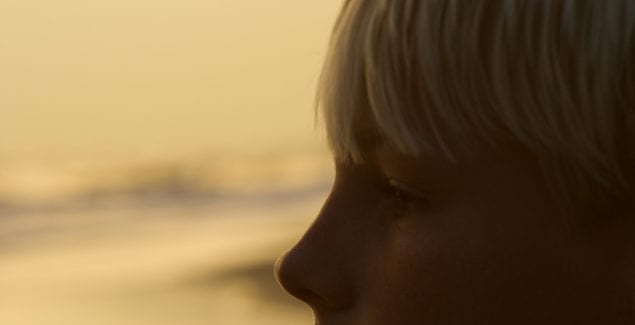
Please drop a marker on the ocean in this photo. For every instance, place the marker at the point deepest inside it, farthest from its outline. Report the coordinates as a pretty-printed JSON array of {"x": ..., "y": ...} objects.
[
  {"x": 191, "y": 241},
  {"x": 156, "y": 157}
]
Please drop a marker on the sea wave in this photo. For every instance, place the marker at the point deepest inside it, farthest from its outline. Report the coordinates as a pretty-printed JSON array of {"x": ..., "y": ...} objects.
[{"x": 194, "y": 181}]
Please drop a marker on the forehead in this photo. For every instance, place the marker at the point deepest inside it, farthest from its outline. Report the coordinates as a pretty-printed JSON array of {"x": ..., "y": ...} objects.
[{"x": 374, "y": 142}]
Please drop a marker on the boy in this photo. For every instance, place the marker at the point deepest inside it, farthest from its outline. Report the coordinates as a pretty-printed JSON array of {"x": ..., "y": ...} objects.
[{"x": 484, "y": 165}]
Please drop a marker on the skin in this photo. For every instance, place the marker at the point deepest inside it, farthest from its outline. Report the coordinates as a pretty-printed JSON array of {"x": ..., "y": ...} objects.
[{"x": 479, "y": 242}]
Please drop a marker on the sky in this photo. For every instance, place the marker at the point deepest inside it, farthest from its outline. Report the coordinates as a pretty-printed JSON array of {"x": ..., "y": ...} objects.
[{"x": 125, "y": 78}]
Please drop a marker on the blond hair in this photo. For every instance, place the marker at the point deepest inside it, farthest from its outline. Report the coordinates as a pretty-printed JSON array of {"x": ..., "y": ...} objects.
[{"x": 437, "y": 76}]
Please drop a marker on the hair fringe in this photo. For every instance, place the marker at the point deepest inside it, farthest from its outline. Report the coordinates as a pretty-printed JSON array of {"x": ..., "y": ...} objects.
[{"x": 438, "y": 77}]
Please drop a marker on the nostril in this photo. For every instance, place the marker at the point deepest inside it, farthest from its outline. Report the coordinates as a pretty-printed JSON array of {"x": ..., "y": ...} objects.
[{"x": 311, "y": 298}]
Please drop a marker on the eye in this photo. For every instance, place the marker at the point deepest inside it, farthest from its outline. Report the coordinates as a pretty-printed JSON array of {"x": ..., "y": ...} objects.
[
  {"x": 402, "y": 188},
  {"x": 404, "y": 196},
  {"x": 397, "y": 190}
]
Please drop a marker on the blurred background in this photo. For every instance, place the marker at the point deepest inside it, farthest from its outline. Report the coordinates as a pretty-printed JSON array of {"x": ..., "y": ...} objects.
[{"x": 156, "y": 157}]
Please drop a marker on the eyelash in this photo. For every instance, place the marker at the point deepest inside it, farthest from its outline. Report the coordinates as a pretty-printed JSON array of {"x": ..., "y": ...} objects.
[
  {"x": 397, "y": 192},
  {"x": 401, "y": 198}
]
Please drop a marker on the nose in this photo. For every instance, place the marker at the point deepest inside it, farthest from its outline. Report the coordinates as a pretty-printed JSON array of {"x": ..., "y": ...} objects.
[{"x": 320, "y": 268}]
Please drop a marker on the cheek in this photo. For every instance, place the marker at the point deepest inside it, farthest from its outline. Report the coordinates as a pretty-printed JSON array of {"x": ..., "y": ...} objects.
[
  {"x": 419, "y": 280},
  {"x": 454, "y": 278}
]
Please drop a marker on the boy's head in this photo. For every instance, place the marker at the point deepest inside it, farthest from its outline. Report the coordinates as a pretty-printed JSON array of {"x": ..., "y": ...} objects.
[
  {"x": 555, "y": 77},
  {"x": 485, "y": 154}
]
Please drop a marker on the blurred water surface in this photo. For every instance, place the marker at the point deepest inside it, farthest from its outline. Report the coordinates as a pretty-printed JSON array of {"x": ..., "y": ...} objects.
[
  {"x": 156, "y": 157},
  {"x": 166, "y": 245}
]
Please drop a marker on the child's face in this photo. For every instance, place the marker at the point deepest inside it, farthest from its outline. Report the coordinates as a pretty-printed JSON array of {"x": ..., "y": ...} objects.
[{"x": 481, "y": 243}]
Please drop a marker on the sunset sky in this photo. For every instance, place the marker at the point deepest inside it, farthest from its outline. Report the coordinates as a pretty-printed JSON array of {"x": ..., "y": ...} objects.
[{"x": 117, "y": 78}]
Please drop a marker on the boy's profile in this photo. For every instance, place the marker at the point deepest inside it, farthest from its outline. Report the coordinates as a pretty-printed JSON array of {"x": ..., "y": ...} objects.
[{"x": 485, "y": 165}]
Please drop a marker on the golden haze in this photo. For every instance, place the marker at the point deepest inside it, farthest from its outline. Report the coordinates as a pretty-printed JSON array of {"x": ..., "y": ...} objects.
[{"x": 155, "y": 157}]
